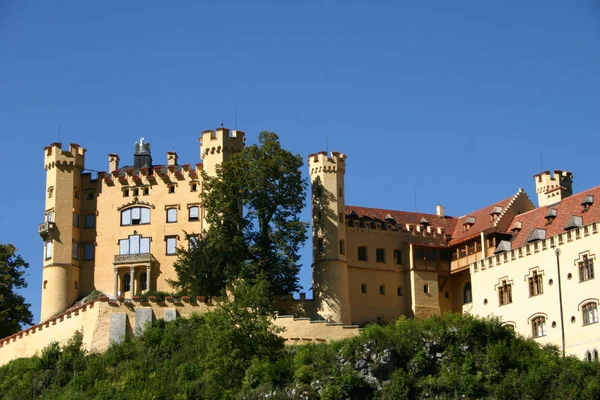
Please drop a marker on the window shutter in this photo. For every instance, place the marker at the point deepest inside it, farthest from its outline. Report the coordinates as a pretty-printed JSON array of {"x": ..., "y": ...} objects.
[
  {"x": 145, "y": 215},
  {"x": 126, "y": 217}
]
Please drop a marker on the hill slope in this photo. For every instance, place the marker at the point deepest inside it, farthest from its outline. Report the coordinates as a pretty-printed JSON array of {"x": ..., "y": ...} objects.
[{"x": 229, "y": 354}]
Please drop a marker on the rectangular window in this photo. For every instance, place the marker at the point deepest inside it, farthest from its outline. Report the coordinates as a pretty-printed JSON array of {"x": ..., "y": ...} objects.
[
  {"x": 76, "y": 220},
  {"x": 340, "y": 192},
  {"x": 125, "y": 192},
  {"x": 171, "y": 215},
  {"x": 342, "y": 247},
  {"x": 398, "y": 257},
  {"x": 426, "y": 288},
  {"x": 535, "y": 284},
  {"x": 50, "y": 216},
  {"x": 399, "y": 290},
  {"x": 505, "y": 293},
  {"x": 89, "y": 195},
  {"x": 193, "y": 213},
  {"x": 171, "y": 245},
  {"x": 362, "y": 253},
  {"x": 590, "y": 313},
  {"x": 341, "y": 217},
  {"x": 193, "y": 187},
  {"x": 171, "y": 188},
  {"x": 144, "y": 245},
  {"x": 136, "y": 192},
  {"x": 193, "y": 242},
  {"x": 146, "y": 191},
  {"x": 145, "y": 212},
  {"x": 586, "y": 269},
  {"x": 90, "y": 221},
  {"x": 48, "y": 250},
  {"x": 126, "y": 217},
  {"x": 363, "y": 288},
  {"x": 124, "y": 246},
  {"x": 88, "y": 251},
  {"x": 380, "y": 255},
  {"x": 134, "y": 244},
  {"x": 75, "y": 251},
  {"x": 382, "y": 289}
]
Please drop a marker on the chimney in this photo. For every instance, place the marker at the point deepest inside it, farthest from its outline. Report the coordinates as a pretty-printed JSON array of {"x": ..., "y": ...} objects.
[
  {"x": 551, "y": 189},
  {"x": 113, "y": 162},
  {"x": 171, "y": 158},
  {"x": 439, "y": 210}
]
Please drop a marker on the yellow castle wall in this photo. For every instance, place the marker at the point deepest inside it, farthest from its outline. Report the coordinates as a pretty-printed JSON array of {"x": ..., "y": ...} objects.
[{"x": 93, "y": 320}]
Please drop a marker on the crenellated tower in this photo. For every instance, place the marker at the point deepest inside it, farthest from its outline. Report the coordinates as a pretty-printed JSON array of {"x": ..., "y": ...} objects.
[
  {"x": 218, "y": 146},
  {"x": 330, "y": 267},
  {"x": 60, "y": 230},
  {"x": 552, "y": 189}
]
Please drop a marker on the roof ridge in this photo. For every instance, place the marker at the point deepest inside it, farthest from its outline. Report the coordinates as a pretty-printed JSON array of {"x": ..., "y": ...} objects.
[{"x": 402, "y": 211}]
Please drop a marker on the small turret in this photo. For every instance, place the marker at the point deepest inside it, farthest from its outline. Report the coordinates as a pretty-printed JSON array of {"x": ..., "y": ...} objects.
[
  {"x": 552, "y": 189},
  {"x": 218, "y": 146}
]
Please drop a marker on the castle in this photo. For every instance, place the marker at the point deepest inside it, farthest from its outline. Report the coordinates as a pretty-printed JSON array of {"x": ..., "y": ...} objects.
[{"x": 118, "y": 233}]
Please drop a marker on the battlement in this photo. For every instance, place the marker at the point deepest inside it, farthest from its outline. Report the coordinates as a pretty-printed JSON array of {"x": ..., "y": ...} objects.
[
  {"x": 221, "y": 140},
  {"x": 54, "y": 155},
  {"x": 552, "y": 188},
  {"x": 323, "y": 162}
]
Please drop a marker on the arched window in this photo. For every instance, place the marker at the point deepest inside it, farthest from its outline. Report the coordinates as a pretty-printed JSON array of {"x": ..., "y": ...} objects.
[
  {"x": 126, "y": 282},
  {"x": 588, "y": 356},
  {"x": 538, "y": 326},
  {"x": 596, "y": 355},
  {"x": 590, "y": 313},
  {"x": 143, "y": 281},
  {"x": 135, "y": 216},
  {"x": 468, "y": 293}
]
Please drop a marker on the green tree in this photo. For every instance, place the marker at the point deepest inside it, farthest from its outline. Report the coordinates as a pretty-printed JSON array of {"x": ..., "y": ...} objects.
[
  {"x": 13, "y": 310},
  {"x": 252, "y": 206}
]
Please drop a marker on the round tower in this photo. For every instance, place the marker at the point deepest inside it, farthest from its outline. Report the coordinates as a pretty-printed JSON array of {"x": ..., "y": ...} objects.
[
  {"x": 60, "y": 229},
  {"x": 330, "y": 266},
  {"x": 218, "y": 146}
]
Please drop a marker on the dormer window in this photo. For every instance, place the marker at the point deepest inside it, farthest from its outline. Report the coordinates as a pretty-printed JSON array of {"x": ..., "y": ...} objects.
[
  {"x": 389, "y": 218},
  {"x": 537, "y": 234},
  {"x": 587, "y": 202},
  {"x": 423, "y": 221},
  {"x": 574, "y": 222},
  {"x": 516, "y": 228},
  {"x": 495, "y": 214},
  {"x": 469, "y": 222},
  {"x": 550, "y": 215}
]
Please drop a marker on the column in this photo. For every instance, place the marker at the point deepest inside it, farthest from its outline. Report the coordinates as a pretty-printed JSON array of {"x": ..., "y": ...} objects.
[
  {"x": 116, "y": 282},
  {"x": 132, "y": 280},
  {"x": 148, "y": 277}
]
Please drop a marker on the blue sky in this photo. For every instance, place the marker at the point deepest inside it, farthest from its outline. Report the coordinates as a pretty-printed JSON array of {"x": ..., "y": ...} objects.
[{"x": 456, "y": 100}]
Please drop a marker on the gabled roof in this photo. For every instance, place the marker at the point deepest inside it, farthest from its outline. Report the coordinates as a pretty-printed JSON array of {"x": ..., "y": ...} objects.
[
  {"x": 569, "y": 207},
  {"x": 479, "y": 221}
]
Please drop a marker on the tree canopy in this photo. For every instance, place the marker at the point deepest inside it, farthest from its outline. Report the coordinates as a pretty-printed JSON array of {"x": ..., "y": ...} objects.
[
  {"x": 14, "y": 312},
  {"x": 252, "y": 206}
]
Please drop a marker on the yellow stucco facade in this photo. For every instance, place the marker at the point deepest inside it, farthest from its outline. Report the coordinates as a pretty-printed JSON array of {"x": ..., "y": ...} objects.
[
  {"x": 498, "y": 261},
  {"x": 117, "y": 234}
]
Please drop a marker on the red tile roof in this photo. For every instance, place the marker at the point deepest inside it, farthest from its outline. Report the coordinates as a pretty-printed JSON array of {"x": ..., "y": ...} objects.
[
  {"x": 406, "y": 217},
  {"x": 568, "y": 207},
  {"x": 483, "y": 223}
]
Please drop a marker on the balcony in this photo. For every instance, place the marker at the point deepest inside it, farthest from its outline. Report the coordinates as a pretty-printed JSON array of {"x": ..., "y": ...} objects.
[
  {"x": 464, "y": 262},
  {"x": 142, "y": 258},
  {"x": 46, "y": 229},
  {"x": 432, "y": 265}
]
